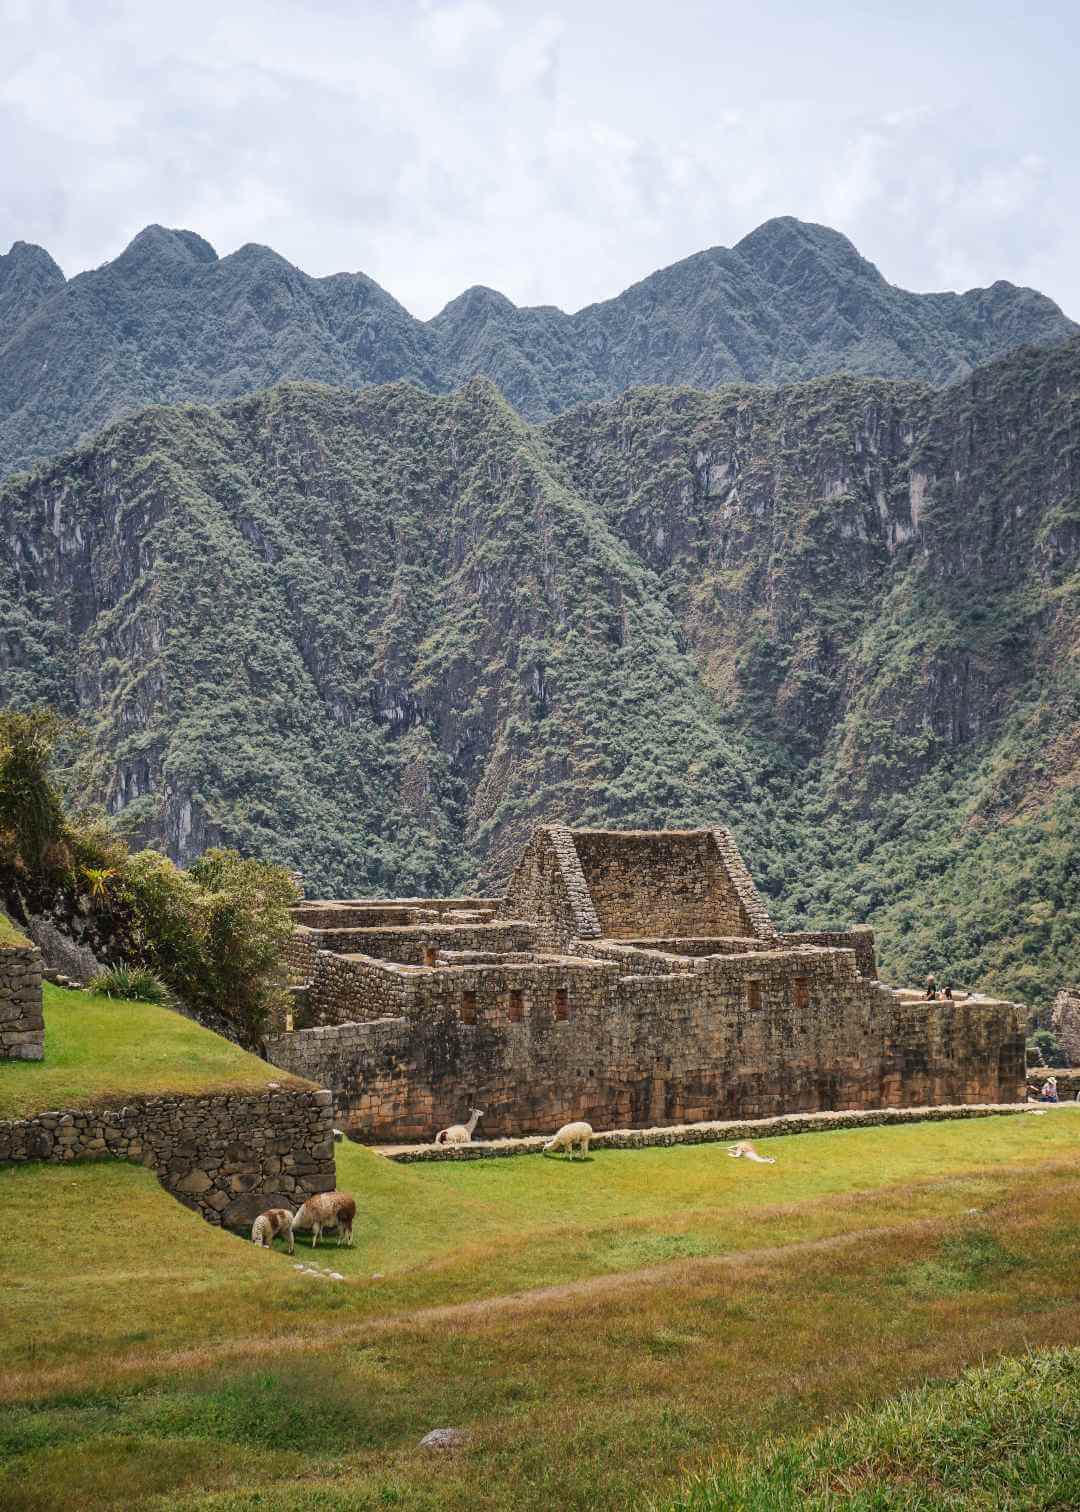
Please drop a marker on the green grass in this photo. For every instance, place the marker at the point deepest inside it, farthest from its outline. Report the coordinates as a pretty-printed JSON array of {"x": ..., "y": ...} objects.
[
  {"x": 150, "y": 1360},
  {"x": 1003, "y": 1436},
  {"x": 9, "y": 935},
  {"x": 99, "y": 1050}
]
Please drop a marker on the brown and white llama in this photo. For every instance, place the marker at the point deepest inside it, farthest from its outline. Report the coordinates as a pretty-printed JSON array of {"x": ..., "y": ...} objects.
[
  {"x": 269, "y": 1225},
  {"x": 460, "y": 1133},
  {"x": 325, "y": 1210}
]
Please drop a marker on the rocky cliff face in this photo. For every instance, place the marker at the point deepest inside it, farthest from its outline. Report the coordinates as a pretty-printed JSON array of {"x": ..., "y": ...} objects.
[
  {"x": 168, "y": 320},
  {"x": 380, "y": 635}
]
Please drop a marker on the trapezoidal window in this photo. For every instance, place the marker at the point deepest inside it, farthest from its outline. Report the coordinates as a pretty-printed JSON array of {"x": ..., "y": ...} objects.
[
  {"x": 562, "y": 1004},
  {"x": 801, "y": 992},
  {"x": 516, "y": 1005},
  {"x": 753, "y": 995},
  {"x": 468, "y": 1007}
]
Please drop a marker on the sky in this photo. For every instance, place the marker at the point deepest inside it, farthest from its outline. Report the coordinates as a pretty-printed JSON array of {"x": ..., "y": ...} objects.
[{"x": 557, "y": 152}]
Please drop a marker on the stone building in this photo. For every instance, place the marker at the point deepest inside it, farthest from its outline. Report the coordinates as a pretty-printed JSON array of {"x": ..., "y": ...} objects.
[{"x": 629, "y": 978}]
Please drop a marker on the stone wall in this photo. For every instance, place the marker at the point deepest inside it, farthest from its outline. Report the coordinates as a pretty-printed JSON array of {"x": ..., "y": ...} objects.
[
  {"x": 22, "y": 1027},
  {"x": 409, "y": 945},
  {"x": 229, "y": 1156},
  {"x": 1065, "y": 1022},
  {"x": 674, "y": 883},
  {"x": 549, "y": 889},
  {"x": 713, "y": 1132},
  {"x": 751, "y": 1035},
  {"x": 860, "y": 940}
]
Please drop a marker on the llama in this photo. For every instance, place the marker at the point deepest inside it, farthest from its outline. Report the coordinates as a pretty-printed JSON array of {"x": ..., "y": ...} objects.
[
  {"x": 460, "y": 1133},
  {"x": 569, "y": 1135},
  {"x": 324, "y": 1210},
  {"x": 747, "y": 1151},
  {"x": 269, "y": 1225}
]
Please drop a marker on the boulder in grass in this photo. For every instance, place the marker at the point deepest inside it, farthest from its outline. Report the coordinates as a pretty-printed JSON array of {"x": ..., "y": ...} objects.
[{"x": 444, "y": 1438}]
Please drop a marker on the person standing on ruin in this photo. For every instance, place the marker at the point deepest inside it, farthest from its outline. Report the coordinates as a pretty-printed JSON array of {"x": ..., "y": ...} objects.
[{"x": 931, "y": 987}]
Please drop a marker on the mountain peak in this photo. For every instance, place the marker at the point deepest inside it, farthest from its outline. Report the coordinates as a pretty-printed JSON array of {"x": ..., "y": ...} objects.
[
  {"x": 166, "y": 250},
  {"x": 777, "y": 244}
]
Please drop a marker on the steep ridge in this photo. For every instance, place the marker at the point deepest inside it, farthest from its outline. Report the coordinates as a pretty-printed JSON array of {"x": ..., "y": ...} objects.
[
  {"x": 381, "y": 634},
  {"x": 168, "y": 320}
]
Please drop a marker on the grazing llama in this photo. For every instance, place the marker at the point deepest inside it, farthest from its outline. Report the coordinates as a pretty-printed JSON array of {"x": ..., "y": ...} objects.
[
  {"x": 460, "y": 1133},
  {"x": 269, "y": 1225},
  {"x": 324, "y": 1210},
  {"x": 747, "y": 1151},
  {"x": 569, "y": 1135}
]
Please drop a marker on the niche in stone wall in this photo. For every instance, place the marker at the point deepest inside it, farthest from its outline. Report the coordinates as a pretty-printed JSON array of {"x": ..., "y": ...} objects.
[
  {"x": 753, "y": 995},
  {"x": 468, "y": 1007},
  {"x": 801, "y": 990},
  {"x": 516, "y": 1005},
  {"x": 562, "y": 1004}
]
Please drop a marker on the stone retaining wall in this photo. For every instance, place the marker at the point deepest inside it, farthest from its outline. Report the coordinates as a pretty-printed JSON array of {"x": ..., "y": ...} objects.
[
  {"x": 229, "y": 1156},
  {"x": 22, "y": 1027},
  {"x": 709, "y": 1133}
]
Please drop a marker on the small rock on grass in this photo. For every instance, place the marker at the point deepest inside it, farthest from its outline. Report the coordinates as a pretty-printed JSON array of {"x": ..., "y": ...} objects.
[{"x": 444, "y": 1438}]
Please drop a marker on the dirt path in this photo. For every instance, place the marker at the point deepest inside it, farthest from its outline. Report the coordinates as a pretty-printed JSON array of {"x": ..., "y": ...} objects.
[{"x": 17, "y": 1385}]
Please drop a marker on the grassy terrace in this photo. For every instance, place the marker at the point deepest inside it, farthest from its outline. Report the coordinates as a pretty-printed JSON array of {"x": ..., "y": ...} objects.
[
  {"x": 9, "y": 935},
  {"x": 100, "y": 1051},
  {"x": 603, "y": 1328}
]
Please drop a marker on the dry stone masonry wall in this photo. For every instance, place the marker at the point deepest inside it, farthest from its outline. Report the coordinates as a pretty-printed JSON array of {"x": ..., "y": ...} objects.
[
  {"x": 228, "y": 1157},
  {"x": 635, "y": 979},
  {"x": 22, "y": 1027}
]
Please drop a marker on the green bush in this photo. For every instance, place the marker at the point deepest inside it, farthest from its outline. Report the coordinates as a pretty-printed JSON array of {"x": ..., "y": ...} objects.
[
  {"x": 212, "y": 938},
  {"x": 134, "y": 983}
]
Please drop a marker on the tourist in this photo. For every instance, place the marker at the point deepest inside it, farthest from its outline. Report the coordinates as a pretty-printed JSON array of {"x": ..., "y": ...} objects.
[
  {"x": 931, "y": 988},
  {"x": 1049, "y": 1089},
  {"x": 948, "y": 991}
]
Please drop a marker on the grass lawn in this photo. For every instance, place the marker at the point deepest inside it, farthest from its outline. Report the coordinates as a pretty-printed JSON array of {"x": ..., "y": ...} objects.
[
  {"x": 696, "y": 1305},
  {"x": 99, "y": 1050},
  {"x": 9, "y": 934}
]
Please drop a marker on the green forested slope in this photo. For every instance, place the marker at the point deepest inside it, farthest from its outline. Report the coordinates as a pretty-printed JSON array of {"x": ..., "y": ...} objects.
[
  {"x": 380, "y": 634},
  {"x": 169, "y": 320}
]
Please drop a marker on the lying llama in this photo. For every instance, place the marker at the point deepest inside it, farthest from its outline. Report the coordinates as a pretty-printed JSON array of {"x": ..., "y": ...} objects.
[
  {"x": 325, "y": 1210},
  {"x": 747, "y": 1151},
  {"x": 269, "y": 1225},
  {"x": 569, "y": 1135},
  {"x": 460, "y": 1133}
]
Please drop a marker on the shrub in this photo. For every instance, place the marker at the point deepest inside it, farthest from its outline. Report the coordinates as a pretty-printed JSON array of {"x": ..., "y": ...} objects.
[
  {"x": 134, "y": 983},
  {"x": 1046, "y": 1043},
  {"x": 213, "y": 937},
  {"x": 32, "y": 828}
]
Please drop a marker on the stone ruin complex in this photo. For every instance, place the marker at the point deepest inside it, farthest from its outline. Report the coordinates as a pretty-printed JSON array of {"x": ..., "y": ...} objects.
[{"x": 630, "y": 978}]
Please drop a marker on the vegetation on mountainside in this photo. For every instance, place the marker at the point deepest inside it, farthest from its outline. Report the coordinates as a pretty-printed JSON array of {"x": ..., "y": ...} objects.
[
  {"x": 214, "y": 935},
  {"x": 378, "y": 636},
  {"x": 103, "y": 1051},
  {"x": 151, "y": 1355},
  {"x": 169, "y": 321}
]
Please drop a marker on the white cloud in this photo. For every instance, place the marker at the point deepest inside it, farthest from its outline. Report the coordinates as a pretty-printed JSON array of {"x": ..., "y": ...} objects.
[{"x": 558, "y": 152}]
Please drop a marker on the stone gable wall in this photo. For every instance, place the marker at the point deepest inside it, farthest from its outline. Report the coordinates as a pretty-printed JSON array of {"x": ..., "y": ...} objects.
[
  {"x": 22, "y": 1027},
  {"x": 548, "y": 888},
  {"x": 679, "y": 882},
  {"x": 228, "y": 1157}
]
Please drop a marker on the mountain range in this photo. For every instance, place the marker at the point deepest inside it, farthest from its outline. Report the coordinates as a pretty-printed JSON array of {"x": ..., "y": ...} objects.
[
  {"x": 380, "y": 633},
  {"x": 170, "y": 321}
]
